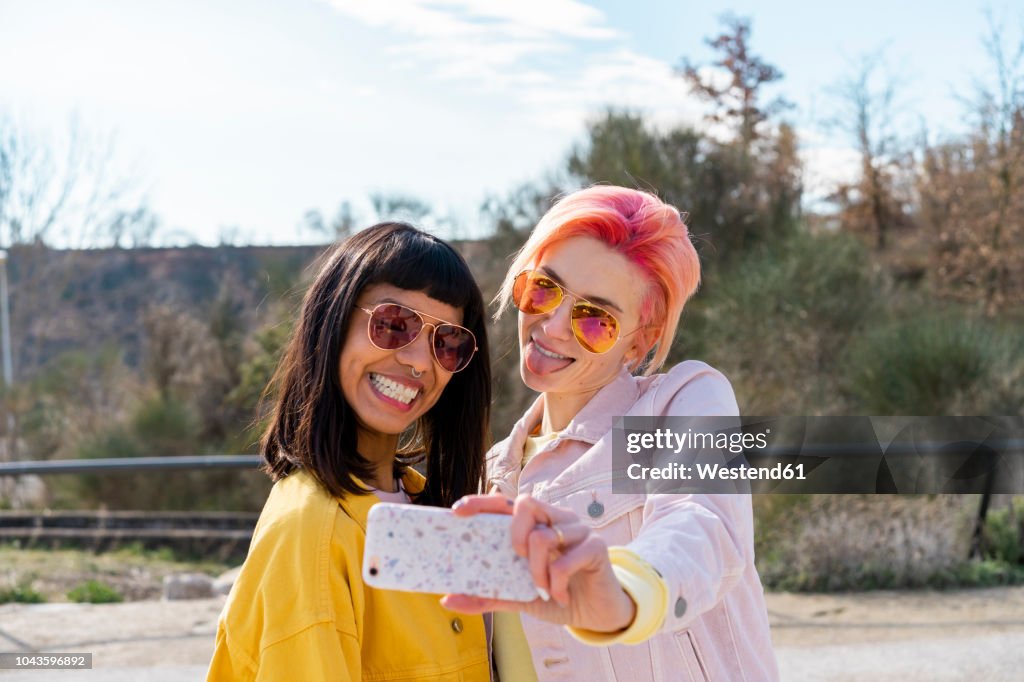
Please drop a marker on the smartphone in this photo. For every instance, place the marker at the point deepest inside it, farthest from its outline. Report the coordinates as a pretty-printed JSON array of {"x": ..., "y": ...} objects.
[{"x": 428, "y": 549}]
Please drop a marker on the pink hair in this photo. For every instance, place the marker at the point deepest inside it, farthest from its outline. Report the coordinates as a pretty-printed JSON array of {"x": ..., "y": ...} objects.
[{"x": 640, "y": 226}]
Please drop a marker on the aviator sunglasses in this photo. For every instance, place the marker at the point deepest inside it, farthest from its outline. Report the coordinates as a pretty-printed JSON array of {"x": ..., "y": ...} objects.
[
  {"x": 394, "y": 326},
  {"x": 596, "y": 329}
]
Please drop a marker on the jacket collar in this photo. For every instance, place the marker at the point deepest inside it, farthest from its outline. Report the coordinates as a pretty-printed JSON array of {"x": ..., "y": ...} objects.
[
  {"x": 589, "y": 425},
  {"x": 595, "y": 419},
  {"x": 358, "y": 506}
]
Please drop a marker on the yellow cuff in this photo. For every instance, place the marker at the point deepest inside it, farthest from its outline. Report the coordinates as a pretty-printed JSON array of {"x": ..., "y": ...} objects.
[{"x": 648, "y": 591}]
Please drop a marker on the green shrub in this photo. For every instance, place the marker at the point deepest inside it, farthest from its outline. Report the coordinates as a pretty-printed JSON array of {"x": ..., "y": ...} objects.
[
  {"x": 986, "y": 573},
  {"x": 158, "y": 427},
  {"x": 22, "y": 594},
  {"x": 924, "y": 365},
  {"x": 1002, "y": 537},
  {"x": 117, "y": 442},
  {"x": 94, "y": 592},
  {"x": 166, "y": 426},
  {"x": 136, "y": 550},
  {"x": 777, "y": 321}
]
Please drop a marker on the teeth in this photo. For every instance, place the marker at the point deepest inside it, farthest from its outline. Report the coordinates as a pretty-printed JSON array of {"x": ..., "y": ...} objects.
[
  {"x": 393, "y": 389},
  {"x": 548, "y": 354}
]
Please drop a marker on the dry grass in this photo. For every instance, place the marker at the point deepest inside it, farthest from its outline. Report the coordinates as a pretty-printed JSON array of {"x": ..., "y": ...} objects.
[
  {"x": 834, "y": 542},
  {"x": 134, "y": 573}
]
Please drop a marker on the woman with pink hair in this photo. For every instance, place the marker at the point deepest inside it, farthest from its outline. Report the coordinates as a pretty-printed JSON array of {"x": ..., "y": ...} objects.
[{"x": 643, "y": 586}]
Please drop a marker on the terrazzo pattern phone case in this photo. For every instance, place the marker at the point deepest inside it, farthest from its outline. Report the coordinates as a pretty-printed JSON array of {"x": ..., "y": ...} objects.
[{"x": 425, "y": 549}]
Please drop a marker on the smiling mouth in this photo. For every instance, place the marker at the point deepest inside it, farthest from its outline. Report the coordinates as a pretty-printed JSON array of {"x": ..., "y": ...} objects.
[
  {"x": 394, "y": 390},
  {"x": 547, "y": 353}
]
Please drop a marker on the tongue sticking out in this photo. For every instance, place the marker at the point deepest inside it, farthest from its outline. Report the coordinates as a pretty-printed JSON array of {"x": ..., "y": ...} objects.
[{"x": 538, "y": 363}]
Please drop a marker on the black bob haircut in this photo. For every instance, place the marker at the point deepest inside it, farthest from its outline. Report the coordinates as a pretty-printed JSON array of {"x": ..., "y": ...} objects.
[{"x": 312, "y": 425}]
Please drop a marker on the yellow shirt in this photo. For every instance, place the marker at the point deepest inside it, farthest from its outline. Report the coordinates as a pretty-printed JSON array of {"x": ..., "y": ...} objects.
[{"x": 299, "y": 609}]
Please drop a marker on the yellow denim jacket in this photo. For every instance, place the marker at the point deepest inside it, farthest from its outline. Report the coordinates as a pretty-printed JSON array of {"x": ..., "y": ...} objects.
[{"x": 299, "y": 609}]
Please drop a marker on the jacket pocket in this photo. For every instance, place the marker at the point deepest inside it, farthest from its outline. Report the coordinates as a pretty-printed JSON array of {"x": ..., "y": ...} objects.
[{"x": 691, "y": 656}]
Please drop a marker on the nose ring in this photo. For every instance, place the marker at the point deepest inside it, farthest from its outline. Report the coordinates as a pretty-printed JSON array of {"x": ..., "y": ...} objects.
[{"x": 416, "y": 374}]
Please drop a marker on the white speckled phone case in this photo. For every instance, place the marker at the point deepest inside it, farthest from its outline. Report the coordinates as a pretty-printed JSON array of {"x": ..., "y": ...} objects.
[{"x": 426, "y": 549}]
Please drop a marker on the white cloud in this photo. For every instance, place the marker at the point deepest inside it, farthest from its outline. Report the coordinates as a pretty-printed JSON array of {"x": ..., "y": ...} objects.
[
  {"x": 551, "y": 17},
  {"x": 407, "y": 16},
  {"x": 558, "y": 59},
  {"x": 485, "y": 43},
  {"x": 524, "y": 19},
  {"x": 478, "y": 49},
  {"x": 620, "y": 79},
  {"x": 826, "y": 164}
]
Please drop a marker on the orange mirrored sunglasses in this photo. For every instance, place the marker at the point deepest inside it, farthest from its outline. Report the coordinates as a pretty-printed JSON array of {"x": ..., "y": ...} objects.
[{"x": 596, "y": 329}]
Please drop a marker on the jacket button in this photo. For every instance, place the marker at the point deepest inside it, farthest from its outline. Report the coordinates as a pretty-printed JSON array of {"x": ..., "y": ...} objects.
[
  {"x": 457, "y": 625},
  {"x": 680, "y": 607},
  {"x": 595, "y": 509}
]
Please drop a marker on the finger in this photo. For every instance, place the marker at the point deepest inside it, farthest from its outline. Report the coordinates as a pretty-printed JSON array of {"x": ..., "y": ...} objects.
[
  {"x": 527, "y": 514},
  {"x": 495, "y": 503},
  {"x": 545, "y": 545},
  {"x": 543, "y": 610},
  {"x": 464, "y": 603},
  {"x": 573, "y": 533},
  {"x": 541, "y": 543},
  {"x": 591, "y": 554}
]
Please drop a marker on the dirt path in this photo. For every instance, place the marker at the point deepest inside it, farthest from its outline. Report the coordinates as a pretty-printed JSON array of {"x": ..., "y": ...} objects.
[
  {"x": 906, "y": 636},
  {"x": 800, "y": 620},
  {"x": 896, "y": 636}
]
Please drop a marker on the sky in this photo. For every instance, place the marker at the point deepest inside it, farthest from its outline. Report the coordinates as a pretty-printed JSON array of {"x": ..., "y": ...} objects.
[{"x": 236, "y": 118}]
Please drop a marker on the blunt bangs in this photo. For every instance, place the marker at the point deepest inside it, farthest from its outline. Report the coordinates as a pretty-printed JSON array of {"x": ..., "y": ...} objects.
[{"x": 418, "y": 262}]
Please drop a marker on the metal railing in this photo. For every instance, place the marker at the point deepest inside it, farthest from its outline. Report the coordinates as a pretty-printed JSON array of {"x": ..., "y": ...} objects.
[
  {"x": 129, "y": 464},
  {"x": 115, "y": 464}
]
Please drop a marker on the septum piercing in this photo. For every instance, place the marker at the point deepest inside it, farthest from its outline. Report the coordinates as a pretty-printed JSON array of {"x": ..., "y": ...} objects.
[{"x": 416, "y": 374}]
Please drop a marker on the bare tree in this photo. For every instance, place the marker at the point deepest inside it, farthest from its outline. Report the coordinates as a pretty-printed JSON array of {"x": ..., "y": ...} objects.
[
  {"x": 133, "y": 228},
  {"x": 739, "y": 102},
  {"x": 62, "y": 191},
  {"x": 389, "y": 206},
  {"x": 972, "y": 189},
  {"x": 873, "y": 203},
  {"x": 342, "y": 225},
  {"x": 1001, "y": 112},
  {"x": 176, "y": 345},
  {"x": 412, "y": 209},
  {"x": 65, "y": 192}
]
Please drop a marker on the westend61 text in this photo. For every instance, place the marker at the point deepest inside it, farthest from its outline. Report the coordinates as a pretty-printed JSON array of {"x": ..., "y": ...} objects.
[{"x": 717, "y": 472}]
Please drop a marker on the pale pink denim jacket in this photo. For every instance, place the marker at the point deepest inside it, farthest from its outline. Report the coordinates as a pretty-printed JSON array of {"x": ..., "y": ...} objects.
[{"x": 716, "y": 625}]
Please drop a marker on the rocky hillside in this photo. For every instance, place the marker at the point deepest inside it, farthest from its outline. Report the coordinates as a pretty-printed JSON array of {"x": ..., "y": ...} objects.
[{"x": 87, "y": 300}]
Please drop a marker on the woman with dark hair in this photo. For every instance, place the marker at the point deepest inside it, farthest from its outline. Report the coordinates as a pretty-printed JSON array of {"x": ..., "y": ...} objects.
[{"x": 390, "y": 342}]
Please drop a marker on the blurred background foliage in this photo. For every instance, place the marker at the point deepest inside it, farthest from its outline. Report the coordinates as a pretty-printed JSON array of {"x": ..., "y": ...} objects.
[{"x": 902, "y": 294}]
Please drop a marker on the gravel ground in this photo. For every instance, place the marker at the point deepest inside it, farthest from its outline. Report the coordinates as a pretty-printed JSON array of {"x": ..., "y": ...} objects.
[{"x": 878, "y": 636}]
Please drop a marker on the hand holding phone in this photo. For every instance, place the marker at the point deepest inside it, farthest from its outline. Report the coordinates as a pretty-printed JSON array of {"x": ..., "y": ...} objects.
[
  {"x": 427, "y": 549},
  {"x": 566, "y": 557}
]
